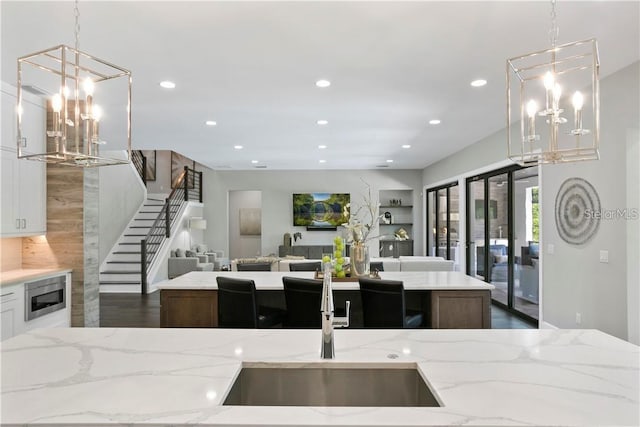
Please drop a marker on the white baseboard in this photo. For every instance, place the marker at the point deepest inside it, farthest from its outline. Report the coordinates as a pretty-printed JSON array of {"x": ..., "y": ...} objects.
[{"x": 546, "y": 325}]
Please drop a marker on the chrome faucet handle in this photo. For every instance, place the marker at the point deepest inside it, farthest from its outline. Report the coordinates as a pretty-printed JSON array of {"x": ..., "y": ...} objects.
[{"x": 343, "y": 322}]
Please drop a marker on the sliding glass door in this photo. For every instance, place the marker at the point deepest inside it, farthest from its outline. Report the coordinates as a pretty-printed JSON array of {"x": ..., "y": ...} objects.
[
  {"x": 443, "y": 222},
  {"x": 501, "y": 213}
]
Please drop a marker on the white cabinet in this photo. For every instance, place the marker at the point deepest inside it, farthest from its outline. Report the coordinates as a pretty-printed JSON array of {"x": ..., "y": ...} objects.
[
  {"x": 23, "y": 185},
  {"x": 23, "y": 182},
  {"x": 11, "y": 310}
]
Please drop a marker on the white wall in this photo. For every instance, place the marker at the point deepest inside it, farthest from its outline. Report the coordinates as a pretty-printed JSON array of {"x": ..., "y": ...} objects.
[
  {"x": 573, "y": 279},
  {"x": 117, "y": 206},
  {"x": 243, "y": 246},
  {"x": 277, "y": 188},
  {"x": 162, "y": 183},
  {"x": 633, "y": 235}
]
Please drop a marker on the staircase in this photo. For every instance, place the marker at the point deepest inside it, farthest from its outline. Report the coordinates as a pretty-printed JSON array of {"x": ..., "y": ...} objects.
[{"x": 121, "y": 271}]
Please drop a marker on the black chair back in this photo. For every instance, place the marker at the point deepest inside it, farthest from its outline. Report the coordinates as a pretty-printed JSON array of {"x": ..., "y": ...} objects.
[
  {"x": 376, "y": 266},
  {"x": 305, "y": 266},
  {"x": 237, "y": 303},
  {"x": 383, "y": 303},
  {"x": 254, "y": 266},
  {"x": 303, "y": 297}
]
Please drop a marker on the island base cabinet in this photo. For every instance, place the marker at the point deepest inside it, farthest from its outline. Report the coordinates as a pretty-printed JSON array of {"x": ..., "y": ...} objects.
[
  {"x": 188, "y": 308},
  {"x": 461, "y": 309}
]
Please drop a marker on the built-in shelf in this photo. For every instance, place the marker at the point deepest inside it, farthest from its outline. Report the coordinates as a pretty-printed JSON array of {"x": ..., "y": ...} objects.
[{"x": 398, "y": 205}]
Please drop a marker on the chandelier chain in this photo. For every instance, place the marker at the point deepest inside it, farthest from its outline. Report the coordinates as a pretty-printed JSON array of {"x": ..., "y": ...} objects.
[
  {"x": 76, "y": 11},
  {"x": 554, "y": 30}
]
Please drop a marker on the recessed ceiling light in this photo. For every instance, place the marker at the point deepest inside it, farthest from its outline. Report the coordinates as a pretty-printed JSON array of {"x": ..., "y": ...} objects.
[
  {"x": 167, "y": 84},
  {"x": 254, "y": 161},
  {"x": 322, "y": 147},
  {"x": 238, "y": 147},
  {"x": 323, "y": 83},
  {"x": 210, "y": 123},
  {"x": 406, "y": 146},
  {"x": 434, "y": 122},
  {"x": 322, "y": 161},
  {"x": 478, "y": 83},
  {"x": 322, "y": 122},
  {"x": 389, "y": 161}
]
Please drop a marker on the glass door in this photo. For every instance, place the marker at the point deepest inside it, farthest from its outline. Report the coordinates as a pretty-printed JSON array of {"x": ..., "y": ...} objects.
[
  {"x": 443, "y": 222},
  {"x": 502, "y": 231},
  {"x": 526, "y": 238},
  {"x": 475, "y": 228}
]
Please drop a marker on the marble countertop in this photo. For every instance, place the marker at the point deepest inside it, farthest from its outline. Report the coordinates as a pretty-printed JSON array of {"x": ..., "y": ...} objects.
[
  {"x": 272, "y": 280},
  {"x": 12, "y": 277},
  {"x": 92, "y": 376}
]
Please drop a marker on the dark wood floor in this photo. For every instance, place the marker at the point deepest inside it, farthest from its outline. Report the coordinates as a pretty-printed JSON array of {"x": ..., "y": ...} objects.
[
  {"x": 130, "y": 310},
  {"x": 143, "y": 311}
]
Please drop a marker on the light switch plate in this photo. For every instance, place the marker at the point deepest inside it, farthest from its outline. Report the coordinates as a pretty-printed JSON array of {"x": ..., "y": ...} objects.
[
  {"x": 551, "y": 248},
  {"x": 604, "y": 256}
]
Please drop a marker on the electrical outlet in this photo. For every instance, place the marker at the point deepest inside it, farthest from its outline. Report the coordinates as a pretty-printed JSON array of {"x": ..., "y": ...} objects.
[
  {"x": 578, "y": 318},
  {"x": 551, "y": 248},
  {"x": 604, "y": 256}
]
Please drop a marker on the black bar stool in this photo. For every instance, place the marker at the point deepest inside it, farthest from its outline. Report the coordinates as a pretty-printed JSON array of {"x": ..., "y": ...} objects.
[
  {"x": 383, "y": 305},
  {"x": 237, "y": 307}
]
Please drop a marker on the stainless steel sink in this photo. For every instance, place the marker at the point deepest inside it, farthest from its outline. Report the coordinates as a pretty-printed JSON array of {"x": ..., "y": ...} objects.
[{"x": 311, "y": 385}]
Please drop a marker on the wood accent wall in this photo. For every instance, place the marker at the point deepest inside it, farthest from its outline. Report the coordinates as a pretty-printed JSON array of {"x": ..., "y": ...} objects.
[{"x": 72, "y": 237}]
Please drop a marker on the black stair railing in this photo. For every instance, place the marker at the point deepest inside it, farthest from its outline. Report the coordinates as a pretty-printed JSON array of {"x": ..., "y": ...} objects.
[
  {"x": 188, "y": 187},
  {"x": 139, "y": 160}
]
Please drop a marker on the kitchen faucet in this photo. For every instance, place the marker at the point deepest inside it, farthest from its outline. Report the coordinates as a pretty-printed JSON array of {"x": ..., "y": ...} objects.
[{"x": 327, "y": 350}]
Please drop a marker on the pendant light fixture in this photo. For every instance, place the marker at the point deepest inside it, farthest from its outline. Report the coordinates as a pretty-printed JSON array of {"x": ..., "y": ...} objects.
[
  {"x": 88, "y": 106},
  {"x": 553, "y": 102}
]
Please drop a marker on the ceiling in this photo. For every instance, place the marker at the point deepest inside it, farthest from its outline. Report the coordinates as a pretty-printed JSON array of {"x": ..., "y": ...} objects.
[{"x": 252, "y": 67}]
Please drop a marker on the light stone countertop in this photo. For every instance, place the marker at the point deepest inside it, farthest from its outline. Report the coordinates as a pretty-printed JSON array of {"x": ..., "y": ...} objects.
[
  {"x": 272, "y": 280},
  {"x": 91, "y": 376},
  {"x": 12, "y": 277}
]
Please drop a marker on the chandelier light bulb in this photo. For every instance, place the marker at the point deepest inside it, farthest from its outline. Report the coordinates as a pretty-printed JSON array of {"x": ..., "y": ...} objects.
[
  {"x": 557, "y": 92},
  {"x": 97, "y": 113},
  {"x": 532, "y": 108},
  {"x": 549, "y": 80},
  {"x": 577, "y": 101},
  {"x": 56, "y": 103},
  {"x": 88, "y": 86}
]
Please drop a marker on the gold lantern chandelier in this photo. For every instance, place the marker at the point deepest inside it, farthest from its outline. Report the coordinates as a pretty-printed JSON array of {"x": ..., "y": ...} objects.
[
  {"x": 556, "y": 125},
  {"x": 88, "y": 104}
]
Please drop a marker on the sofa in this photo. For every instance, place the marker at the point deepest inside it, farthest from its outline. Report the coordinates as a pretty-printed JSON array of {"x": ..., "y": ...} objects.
[
  {"x": 425, "y": 263},
  {"x": 529, "y": 281},
  {"x": 182, "y": 262},
  {"x": 498, "y": 262}
]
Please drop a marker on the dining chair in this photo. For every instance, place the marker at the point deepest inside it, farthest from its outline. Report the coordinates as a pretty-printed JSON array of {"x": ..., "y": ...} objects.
[
  {"x": 305, "y": 266},
  {"x": 383, "y": 305},
  {"x": 237, "y": 306},
  {"x": 254, "y": 266}
]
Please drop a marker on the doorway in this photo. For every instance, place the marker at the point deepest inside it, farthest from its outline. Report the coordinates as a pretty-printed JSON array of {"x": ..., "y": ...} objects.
[
  {"x": 503, "y": 224},
  {"x": 443, "y": 222}
]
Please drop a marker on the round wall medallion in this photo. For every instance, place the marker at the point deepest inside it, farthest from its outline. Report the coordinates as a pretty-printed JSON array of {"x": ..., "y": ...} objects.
[{"x": 576, "y": 202}]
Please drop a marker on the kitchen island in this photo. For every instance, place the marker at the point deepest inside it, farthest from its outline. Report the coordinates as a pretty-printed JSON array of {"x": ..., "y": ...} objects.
[
  {"x": 449, "y": 299},
  {"x": 87, "y": 376}
]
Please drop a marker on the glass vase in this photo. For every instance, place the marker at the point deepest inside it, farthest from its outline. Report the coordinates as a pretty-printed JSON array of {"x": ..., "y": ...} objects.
[
  {"x": 339, "y": 251},
  {"x": 359, "y": 254}
]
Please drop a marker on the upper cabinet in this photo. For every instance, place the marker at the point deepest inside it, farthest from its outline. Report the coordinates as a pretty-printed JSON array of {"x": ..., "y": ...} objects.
[
  {"x": 23, "y": 210},
  {"x": 396, "y": 208}
]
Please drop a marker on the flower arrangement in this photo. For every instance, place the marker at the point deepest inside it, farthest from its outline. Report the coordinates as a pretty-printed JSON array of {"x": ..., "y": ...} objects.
[{"x": 362, "y": 222}]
